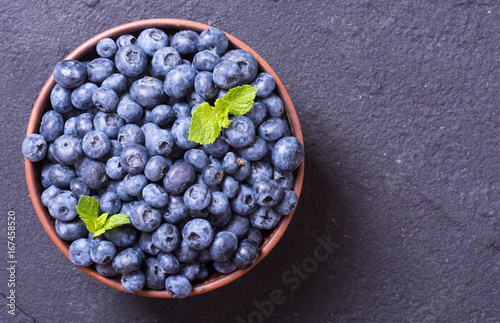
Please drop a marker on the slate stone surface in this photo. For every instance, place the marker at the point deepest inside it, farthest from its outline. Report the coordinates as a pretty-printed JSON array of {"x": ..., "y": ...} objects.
[{"x": 399, "y": 104}]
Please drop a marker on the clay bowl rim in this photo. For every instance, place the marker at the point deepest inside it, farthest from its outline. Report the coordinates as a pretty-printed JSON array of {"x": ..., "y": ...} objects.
[{"x": 42, "y": 104}]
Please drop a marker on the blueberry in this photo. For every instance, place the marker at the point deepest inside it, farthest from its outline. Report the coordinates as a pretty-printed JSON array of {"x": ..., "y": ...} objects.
[
  {"x": 178, "y": 178},
  {"x": 264, "y": 83},
  {"x": 71, "y": 231},
  {"x": 70, "y": 126},
  {"x": 244, "y": 169},
  {"x": 52, "y": 126},
  {"x": 180, "y": 132},
  {"x": 168, "y": 263},
  {"x": 240, "y": 132},
  {"x": 62, "y": 206},
  {"x": 272, "y": 129},
  {"x": 182, "y": 110},
  {"x": 44, "y": 174},
  {"x": 131, "y": 61},
  {"x": 133, "y": 158},
  {"x": 212, "y": 174},
  {"x": 265, "y": 218},
  {"x": 126, "y": 261},
  {"x": 155, "y": 195},
  {"x": 144, "y": 217},
  {"x": 164, "y": 60},
  {"x": 151, "y": 40},
  {"x": 114, "y": 168},
  {"x": 205, "y": 86},
  {"x": 246, "y": 255},
  {"x": 255, "y": 235},
  {"x": 81, "y": 97},
  {"x": 129, "y": 110},
  {"x": 48, "y": 194},
  {"x": 230, "y": 163},
  {"x": 225, "y": 267},
  {"x": 105, "y": 99},
  {"x": 130, "y": 134},
  {"x": 60, "y": 98},
  {"x": 256, "y": 150},
  {"x": 176, "y": 211},
  {"x": 156, "y": 168},
  {"x": 184, "y": 253},
  {"x": 126, "y": 40},
  {"x": 230, "y": 187},
  {"x": 284, "y": 179},
  {"x": 159, "y": 142},
  {"x": 288, "y": 203},
  {"x": 198, "y": 234},
  {"x": 79, "y": 252},
  {"x": 149, "y": 127},
  {"x": 122, "y": 193},
  {"x": 238, "y": 225},
  {"x": 68, "y": 149},
  {"x": 93, "y": 239},
  {"x": 213, "y": 39},
  {"x": 123, "y": 236},
  {"x": 99, "y": 69},
  {"x": 106, "y": 270},
  {"x": 274, "y": 105},
  {"x": 147, "y": 92},
  {"x": 258, "y": 113},
  {"x": 190, "y": 271},
  {"x": 205, "y": 60},
  {"x": 178, "y": 286},
  {"x": 116, "y": 82},
  {"x": 133, "y": 282},
  {"x": 185, "y": 41},
  {"x": 287, "y": 154},
  {"x": 204, "y": 256},
  {"x": 93, "y": 174},
  {"x": 197, "y": 197},
  {"x": 244, "y": 203},
  {"x": 247, "y": 63},
  {"x": 260, "y": 171},
  {"x": 267, "y": 193},
  {"x": 197, "y": 158},
  {"x": 103, "y": 252},
  {"x": 109, "y": 123},
  {"x": 163, "y": 115},
  {"x": 134, "y": 184},
  {"x": 70, "y": 73},
  {"x": 179, "y": 81},
  {"x": 226, "y": 74},
  {"x": 84, "y": 123},
  {"x": 224, "y": 245},
  {"x": 34, "y": 147},
  {"x": 146, "y": 244},
  {"x": 155, "y": 276},
  {"x": 222, "y": 93},
  {"x": 96, "y": 144},
  {"x": 106, "y": 48},
  {"x": 61, "y": 176},
  {"x": 110, "y": 203},
  {"x": 167, "y": 237}
]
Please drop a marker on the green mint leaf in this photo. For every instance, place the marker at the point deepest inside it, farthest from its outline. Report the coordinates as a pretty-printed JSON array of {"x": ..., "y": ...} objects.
[
  {"x": 88, "y": 210},
  {"x": 240, "y": 99},
  {"x": 207, "y": 121},
  {"x": 205, "y": 124},
  {"x": 98, "y": 233},
  {"x": 101, "y": 220},
  {"x": 116, "y": 220}
]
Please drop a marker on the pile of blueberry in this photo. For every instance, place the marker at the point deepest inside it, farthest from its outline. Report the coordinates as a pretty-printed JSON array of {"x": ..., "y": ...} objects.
[{"x": 118, "y": 131}]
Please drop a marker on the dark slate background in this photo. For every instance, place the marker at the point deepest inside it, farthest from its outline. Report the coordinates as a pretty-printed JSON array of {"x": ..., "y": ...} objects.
[{"x": 398, "y": 101}]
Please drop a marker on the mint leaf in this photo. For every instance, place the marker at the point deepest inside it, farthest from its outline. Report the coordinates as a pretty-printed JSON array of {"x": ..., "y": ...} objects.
[
  {"x": 240, "y": 99},
  {"x": 207, "y": 121},
  {"x": 205, "y": 124},
  {"x": 88, "y": 210},
  {"x": 115, "y": 221}
]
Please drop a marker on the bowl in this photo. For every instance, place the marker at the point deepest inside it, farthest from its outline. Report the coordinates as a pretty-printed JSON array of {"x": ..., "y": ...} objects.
[{"x": 87, "y": 51}]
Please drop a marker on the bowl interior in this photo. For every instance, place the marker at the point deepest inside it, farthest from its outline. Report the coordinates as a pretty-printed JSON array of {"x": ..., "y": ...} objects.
[{"x": 87, "y": 51}]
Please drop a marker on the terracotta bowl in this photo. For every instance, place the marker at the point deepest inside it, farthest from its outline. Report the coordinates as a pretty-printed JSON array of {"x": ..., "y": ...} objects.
[{"x": 87, "y": 51}]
